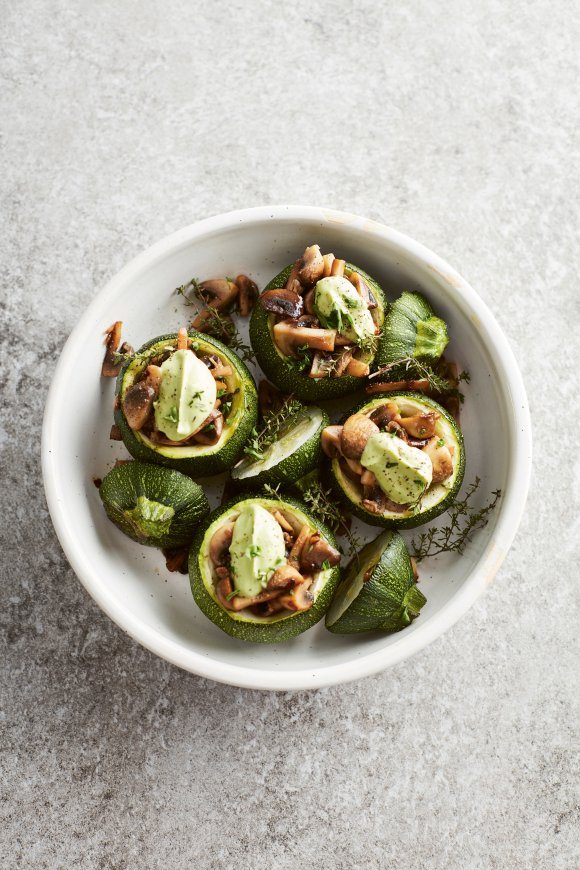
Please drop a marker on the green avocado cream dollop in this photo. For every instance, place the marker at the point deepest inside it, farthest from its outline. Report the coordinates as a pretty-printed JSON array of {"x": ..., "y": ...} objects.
[
  {"x": 339, "y": 306},
  {"x": 257, "y": 549},
  {"x": 187, "y": 395},
  {"x": 403, "y": 472}
]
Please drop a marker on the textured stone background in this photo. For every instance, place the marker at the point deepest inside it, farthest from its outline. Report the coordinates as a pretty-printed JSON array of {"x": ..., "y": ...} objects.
[{"x": 452, "y": 121}]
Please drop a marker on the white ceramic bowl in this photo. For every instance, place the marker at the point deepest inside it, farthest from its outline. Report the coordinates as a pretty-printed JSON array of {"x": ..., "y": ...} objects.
[{"x": 130, "y": 582}]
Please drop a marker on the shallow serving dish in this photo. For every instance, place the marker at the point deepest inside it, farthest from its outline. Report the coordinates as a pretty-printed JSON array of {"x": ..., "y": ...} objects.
[{"x": 130, "y": 582}]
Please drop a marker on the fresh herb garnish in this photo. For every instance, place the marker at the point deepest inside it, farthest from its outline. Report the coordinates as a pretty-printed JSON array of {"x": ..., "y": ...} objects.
[
  {"x": 218, "y": 323},
  {"x": 323, "y": 505},
  {"x": 254, "y": 551},
  {"x": 274, "y": 423},
  {"x": 232, "y": 594},
  {"x": 409, "y": 368},
  {"x": 172, "y": 415},
  {"x": 464, "y": 519}
]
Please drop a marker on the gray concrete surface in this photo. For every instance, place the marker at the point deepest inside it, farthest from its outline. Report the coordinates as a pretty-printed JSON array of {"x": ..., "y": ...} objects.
[{"x": 453, "y": 122}]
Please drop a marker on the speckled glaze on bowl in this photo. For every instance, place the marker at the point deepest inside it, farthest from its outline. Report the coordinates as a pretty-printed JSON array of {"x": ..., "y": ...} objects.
[{"x": 130, "y": 582}]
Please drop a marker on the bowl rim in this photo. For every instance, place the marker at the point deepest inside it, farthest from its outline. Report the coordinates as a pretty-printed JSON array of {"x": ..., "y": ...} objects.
[{"x": 510, "y": 509}]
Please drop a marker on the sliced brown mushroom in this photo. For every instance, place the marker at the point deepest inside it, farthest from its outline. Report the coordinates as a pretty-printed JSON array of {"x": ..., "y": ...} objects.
[
  {"x": 420, "y": 386},
  {"x": 218, "y": 293},
  {"x": 356, "y": 431},
  {"x": 283, "y": 522},
  {"x": 310, "y": 266},
  {"x": 357, "y": 368},
  {"x": 285, "y": 576},
  {"x": 380, "y": 504},
  {"x": 420, "y": 425},
  {"x": 247, "y": 295},
  {"x": 211, "y": 429},
  {"x": 220, "y": 544},
  {"x": 315, "y": 553},
  {"x": 322, "y": 366},
  {"x": 137, "y": 404},
  {"x": 383, "y": 415},
  {"x": 282, "y": 301},
  {"x": 182, "y": 338},
  {"x": 342, "y": 362},
  {"x": 115, "y": 433},
  {"x": 356, "y": 468},
  {"x": 309, "y": 301},
  {"x": 111, "y": 368},
  {"x": 367, "y": 478},
  {"x": 337, "y": 270},
  {"x": 299, "y": 598},
  {"x": 330, "y": 440},
  {"x": 288, "y": 336},
  {"x": 441, "y": 459},
  {"x": 239, "y": 602},
  {"x": 176, "y": 559},
  {"x": 303, "y": 537},
  {"x": 328, "y": 261},
  {"x": 217, "y": 366}
]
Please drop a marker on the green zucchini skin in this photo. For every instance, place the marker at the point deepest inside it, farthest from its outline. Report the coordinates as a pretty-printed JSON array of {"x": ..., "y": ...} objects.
[
  {"x": 264, "y": 632},
  {"x": 389, "y": 600},
  {"x": 277, "y": 367},
  {"x": 304, "y": 460},
  {"x": 213, "y": 459},
  {"x": 122, "y": 486},
  {"x": 333, "y": 475},
  {"x": 411, "y": 329}
]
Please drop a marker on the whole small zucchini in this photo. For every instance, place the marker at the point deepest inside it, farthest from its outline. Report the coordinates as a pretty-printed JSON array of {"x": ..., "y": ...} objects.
[
  {"x": 411, "y": 331},
  {"x": 155, "y": 506}
]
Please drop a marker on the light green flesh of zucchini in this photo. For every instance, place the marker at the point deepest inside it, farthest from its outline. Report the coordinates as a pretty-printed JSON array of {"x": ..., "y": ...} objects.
[
  {"x": 233, "y": 383},
  {"x": 349, "y": 589},
  {"x": 437, "y": 492},
  {"x": 205, "y": 567},
  {"x": 288, "y": 444}
]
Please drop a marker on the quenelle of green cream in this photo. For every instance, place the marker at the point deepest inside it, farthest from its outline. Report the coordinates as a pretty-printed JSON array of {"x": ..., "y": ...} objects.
[
  {"x": 339, "y": 306},
  {"x": 403, "y": 472},
  {"x": 257, "y": 549},
  {"x": 187, "y": 395}
]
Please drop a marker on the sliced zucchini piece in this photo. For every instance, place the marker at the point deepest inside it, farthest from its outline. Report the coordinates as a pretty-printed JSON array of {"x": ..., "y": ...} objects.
[
  {"x": 377, "y": 592},
  {"x": 284, "y": 371},
  {"x": 155, "y": 506},
  {"x": 411, "y": 329},
  {"x": 438, "y": 496},
  {"x": 295, "y": 453},
  {"x": 195, "y": 459},
  {"x": 244, "y": 624}
]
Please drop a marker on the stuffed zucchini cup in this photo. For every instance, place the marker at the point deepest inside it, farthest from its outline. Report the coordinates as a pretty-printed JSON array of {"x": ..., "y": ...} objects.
[
  {"x": 263, "y": 570},
  {"x": 377, "y": 592},
  {"x": 316, "y": 326},
  {"x": 397, "y": 460},
  {"x": 186, "y": 401},
  {"x": 155, "y": 506},
  {"x": 295, "y": 452}
]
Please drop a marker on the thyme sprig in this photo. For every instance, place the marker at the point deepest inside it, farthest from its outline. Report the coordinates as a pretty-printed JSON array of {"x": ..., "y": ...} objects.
[
  {"x": 273, "y": 424},
  {"x": 414, "y": 369},
  {"x": 323, "y": 505},
  {"x": 219, "y": 324},
  {"x": 464, "y": 520}
]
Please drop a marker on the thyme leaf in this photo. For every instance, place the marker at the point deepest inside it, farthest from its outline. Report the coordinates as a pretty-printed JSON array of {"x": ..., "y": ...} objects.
[
  {"x": 409, "y": 368},
  {"x": 464, "y": 520},
  {"x": 219, "y": 324}
]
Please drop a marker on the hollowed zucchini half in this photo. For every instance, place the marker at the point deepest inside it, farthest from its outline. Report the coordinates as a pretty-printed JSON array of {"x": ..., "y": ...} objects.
[
  {"x": 294, "y": 454},
  {"x": 377, "y": 591},
  {"x": 195, "y": 459},
  {"x": 280, "y": 368},
  {"x": 438, "y": 497},
  {"x": 155, "y": 506},
  {"x": 411, "y": 330},
  {"x": 244, "y": 625}
]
